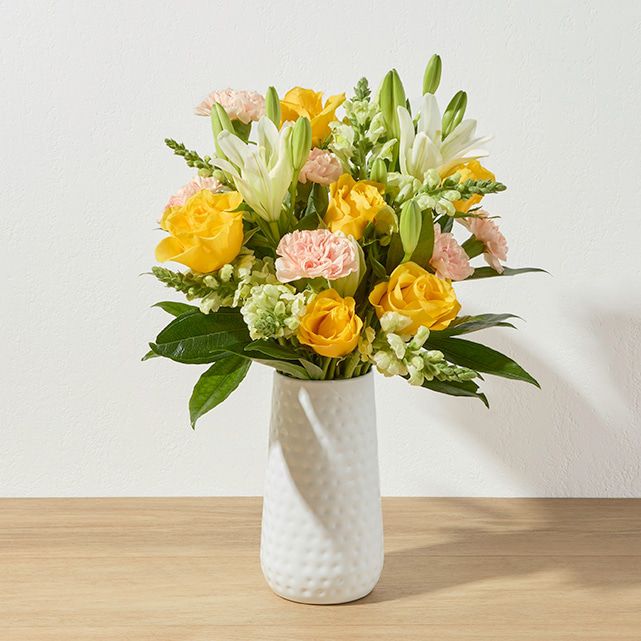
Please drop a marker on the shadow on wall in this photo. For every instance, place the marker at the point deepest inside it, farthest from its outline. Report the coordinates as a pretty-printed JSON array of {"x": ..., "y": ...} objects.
[{"x": 562, "y": 440}]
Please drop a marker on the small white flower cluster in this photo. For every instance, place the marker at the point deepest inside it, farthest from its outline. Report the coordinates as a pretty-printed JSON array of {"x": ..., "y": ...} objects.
[
  {"x": 342, "y": 143},
  {"x": 395, "y": 353},
  {"x": 232, "y": 284},
  {"x": 273, "y": 311}
]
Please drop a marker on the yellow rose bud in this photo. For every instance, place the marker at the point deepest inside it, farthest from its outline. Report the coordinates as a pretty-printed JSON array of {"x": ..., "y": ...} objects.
[
  {"x": 428, "y": 301},
  {"x": 353, "y": 204},
  {"x": 205, "y": 232},
  {"x": 330, "y": 325},
  {"x": 470, "y": 170},
  {"x": 306, "y": 102}
]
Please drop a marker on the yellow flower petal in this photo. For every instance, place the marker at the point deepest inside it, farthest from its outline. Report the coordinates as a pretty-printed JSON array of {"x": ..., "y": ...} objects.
[{"x": 422, "y": 297}]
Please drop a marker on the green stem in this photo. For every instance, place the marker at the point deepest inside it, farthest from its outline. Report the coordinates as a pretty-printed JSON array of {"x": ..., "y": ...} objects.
[
  {"x": 328, "y": 360},
  {"x": 273, "y": 226},
  {"x": 352, "y": 364},
  {"x": 292, "y": 195},
  {"x": 331, "y": 370}
]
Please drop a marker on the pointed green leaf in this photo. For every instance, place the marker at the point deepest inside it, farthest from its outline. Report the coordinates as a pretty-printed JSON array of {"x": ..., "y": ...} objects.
[
  {"x": 286, "y": 367},
  {"x": 480, "y": 358},
  {"x": 488, "y": 272},
  {"x": 199, "y": 338},
  {"x": 276, "y": 352},
  {"x": 467, "y": 324},
  {"x": 425, "y": 245},
  {"x": 454, "y": 388},
  {"x": 216, "y": 384},
  {"x": 174, "y": 308}
]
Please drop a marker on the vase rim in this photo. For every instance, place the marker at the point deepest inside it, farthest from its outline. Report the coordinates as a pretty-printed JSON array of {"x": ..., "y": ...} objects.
[{"x": 291, "y": 379}]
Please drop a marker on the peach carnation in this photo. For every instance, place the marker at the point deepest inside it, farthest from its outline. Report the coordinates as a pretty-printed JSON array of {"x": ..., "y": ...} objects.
[
  {"x": 322, "y": 167},
  {"x": 191, "y": 188},
  {"x": 317, "y": 253},
  {"x": 449, "y": 259},
  {"x": 487, "y": 231},
  {"x": 239, "y": 105}
]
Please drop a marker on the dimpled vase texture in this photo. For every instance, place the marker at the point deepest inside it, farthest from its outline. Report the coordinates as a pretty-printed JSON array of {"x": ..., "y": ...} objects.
[{"x": 322, "y": 530}]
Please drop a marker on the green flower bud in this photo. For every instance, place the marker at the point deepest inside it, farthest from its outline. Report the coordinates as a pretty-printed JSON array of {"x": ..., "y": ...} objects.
[
  {"x": 220, "y": 122},
  {"x": 391, "y": 96},
  {"x": 432, "y": 179},
  {"x": 378, "y": 172},
  {"x": 272, "y": 106},
  {"x": 432, "y": 75},
  {"x": 223, "y": 120},
  {"x": 454, "y": 112},
  {"x": 301, "y": 143},
  {"x": 410, "y": 227}
]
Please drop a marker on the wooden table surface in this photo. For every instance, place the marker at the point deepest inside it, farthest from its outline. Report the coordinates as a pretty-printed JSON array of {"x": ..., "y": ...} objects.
[{"x": 187, "y": 569}]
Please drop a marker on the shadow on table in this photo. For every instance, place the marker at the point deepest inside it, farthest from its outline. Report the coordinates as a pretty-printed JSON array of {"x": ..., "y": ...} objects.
[
  {"x": 581, "y": 446},
  {"x": 476, "y": 554}
]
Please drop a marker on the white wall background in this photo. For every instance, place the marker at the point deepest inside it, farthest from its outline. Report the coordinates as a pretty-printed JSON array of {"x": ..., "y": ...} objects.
[{"x": 89, "y": 91}]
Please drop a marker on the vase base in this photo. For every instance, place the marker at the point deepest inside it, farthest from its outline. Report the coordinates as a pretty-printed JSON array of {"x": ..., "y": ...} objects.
[{"x": 328, "y": 599}]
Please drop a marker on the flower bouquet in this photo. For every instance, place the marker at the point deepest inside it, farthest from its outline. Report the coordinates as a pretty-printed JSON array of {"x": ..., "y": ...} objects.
[{"x": 323, "y": 246}]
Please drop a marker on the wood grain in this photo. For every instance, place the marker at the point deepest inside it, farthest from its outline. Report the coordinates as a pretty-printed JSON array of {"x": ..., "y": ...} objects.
[{"x": 187, "y": 570}]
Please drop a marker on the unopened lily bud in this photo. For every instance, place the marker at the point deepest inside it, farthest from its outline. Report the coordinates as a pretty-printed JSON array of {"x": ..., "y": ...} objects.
[
  {"x": 301, "y": 143},
  {"x": 379, "y": 172},
  {"x": 454, "y": 112},
  {"x": 432, "y": 75},
  {"x": 391, "y": 96},
  {"x": 272, "y": 106},
  {"x": 409, "y": 228},
  {"x": 222, "y": 118},
  {"x": 220, "y": 122},
  {"x": 460, "y": 112}
]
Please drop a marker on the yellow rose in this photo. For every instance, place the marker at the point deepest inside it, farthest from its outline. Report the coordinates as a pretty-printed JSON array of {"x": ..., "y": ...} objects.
[
  {"x": 205, "y": 233},
  {"x": 353, "y": 204},
  {"x": 474, "y": 170},
  {"x": 330, "y": 325},
  {"x": 299, "y": 102},
  {"x": 425, "y": 299}
]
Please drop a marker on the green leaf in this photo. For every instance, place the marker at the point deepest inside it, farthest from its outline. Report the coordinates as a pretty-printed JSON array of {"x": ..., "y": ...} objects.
[
  {"x": 425, "y": 246},
  {"x": 473, "y": 247},
  {"x": 194, "y": 337},
  {"x": 454, "y": 388},
  {"x": 467, "y": 324},
  {"x": 287, "y": 367},
  {"x": 313, "y": 370},
  {"x": 446, "y": 223},
  {"x": 150, "y": 354},
  {"x": 394, "y": 253},
  {"x": 488, "y": 272},
  {"x": 216, "y": 384},
  {"x": 480, "y": 358},
  {"x": 273, "y": 350},
  {"x": 315, "y": 209},
  {"x": 377, "y": 268},
  {"x": 279, "y": 352},
  {"x": 175, "y": 309}
]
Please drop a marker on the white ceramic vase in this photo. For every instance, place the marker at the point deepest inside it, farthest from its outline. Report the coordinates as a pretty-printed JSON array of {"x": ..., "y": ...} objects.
[{"x": 322, "y": 529}]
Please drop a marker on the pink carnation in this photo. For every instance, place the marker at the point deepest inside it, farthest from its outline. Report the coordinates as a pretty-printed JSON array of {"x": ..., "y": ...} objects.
[
  {"x": 449, "y": 259},
  {"x": 317, "y": 253},
  {"x": 322, "y": 167},
  {"x": 193, "y": 187},
  {"x": 239, "y": 105},
  {"x": 486, "y": 230}
]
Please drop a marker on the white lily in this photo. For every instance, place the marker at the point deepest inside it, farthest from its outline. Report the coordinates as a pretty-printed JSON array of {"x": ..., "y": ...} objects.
[
  {"x": 423, "y": 149},
  {"x": 261, "y": 172}
]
